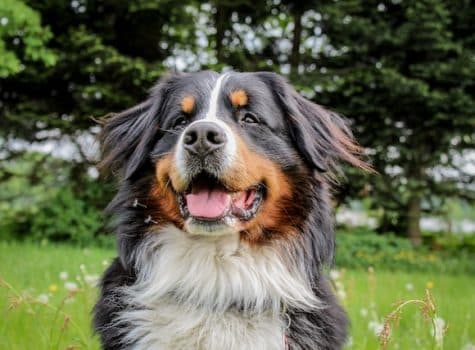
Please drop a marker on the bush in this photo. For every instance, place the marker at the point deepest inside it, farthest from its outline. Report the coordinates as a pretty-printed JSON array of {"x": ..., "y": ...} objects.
[
  {"x": 66, "y": 218},
  {"x": 65, "y": 215},
  {"x": 450, "y": 243},
  {"x": 362, "y": 248}
]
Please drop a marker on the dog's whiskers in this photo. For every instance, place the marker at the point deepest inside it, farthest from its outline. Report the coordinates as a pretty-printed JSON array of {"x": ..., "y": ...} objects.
[{"x": 170, "y": 131}]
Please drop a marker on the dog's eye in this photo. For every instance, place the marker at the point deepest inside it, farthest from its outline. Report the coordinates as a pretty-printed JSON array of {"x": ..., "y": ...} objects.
[
  {"x": 249, "y": 118},
  {"x": 180, "y": 123}
]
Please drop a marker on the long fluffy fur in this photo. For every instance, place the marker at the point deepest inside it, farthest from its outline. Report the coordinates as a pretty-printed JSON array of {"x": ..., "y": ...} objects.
[
  {"x": 203, "y": 287},
  {"x": 170, "y": 290}
]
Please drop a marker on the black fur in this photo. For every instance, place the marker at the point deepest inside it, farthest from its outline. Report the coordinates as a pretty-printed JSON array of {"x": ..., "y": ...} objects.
[{"x": 303, "y": 138}]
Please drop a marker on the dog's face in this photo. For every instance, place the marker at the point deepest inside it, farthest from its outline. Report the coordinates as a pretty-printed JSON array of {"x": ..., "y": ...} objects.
[
  {"x": 228, "y": 145},
  {"x": 233, "y": 153}
]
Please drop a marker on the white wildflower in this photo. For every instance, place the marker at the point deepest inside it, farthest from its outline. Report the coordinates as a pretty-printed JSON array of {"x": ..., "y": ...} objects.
[
  {"x": 341, "y": 294},
  {"x": 409, "y": 286},
  {"x": 364, "y": 312},
  {"x": 334, "y": 274},
  {"x": 439, "y": 328},
  {"x": 69, "y": 300},
  {"x": 105, "y": 263},
  {"x": 71, "y": 286},
  {"x": 4, "y": 21},
  {"x": 91, "y": 279},
  {"x": 349, "y": 342},
  {"x": 375, "y": 327},
  {"x": 42, "y": 298},
  {"x": 63, "y": 275}
]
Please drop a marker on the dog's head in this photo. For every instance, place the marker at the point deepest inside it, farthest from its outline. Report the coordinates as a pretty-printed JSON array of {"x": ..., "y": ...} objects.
[{"x": 233, "y": 153}]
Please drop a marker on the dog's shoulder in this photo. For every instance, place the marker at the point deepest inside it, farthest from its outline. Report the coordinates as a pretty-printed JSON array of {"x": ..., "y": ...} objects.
[{"x": 110, "y": 303}]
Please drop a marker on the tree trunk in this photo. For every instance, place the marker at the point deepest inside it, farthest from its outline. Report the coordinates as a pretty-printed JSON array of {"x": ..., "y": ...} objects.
[
  {"x": 220, "y": 25},
  {"x": 413, "y": 220},
  {"x": 296, "y": 39}
]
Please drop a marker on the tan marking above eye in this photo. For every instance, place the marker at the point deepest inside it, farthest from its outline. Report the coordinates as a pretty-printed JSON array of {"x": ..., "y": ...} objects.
[
  {"x": 239, "y": 98},
  {"x": 188, "y": 104}
]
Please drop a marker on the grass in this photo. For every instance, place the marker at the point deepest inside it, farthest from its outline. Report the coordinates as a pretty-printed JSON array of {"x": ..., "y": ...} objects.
[{"x": 39, "y": 312}]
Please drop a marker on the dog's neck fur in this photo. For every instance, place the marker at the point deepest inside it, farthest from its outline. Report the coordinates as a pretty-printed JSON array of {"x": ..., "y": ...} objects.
[{"x": 216, "y": 293}]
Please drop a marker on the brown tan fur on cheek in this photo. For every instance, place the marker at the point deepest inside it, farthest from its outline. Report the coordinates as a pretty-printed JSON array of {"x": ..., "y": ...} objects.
[
  {"x": 162, "y": 196},
  {"x": 275, "y": 215},
  {"x": 249, "y": 169},
  {"x": 167, "y": 174}
]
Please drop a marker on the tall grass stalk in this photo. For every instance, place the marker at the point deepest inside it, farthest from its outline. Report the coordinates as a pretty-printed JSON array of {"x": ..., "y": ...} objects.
[{"x": 428, "y": 310}]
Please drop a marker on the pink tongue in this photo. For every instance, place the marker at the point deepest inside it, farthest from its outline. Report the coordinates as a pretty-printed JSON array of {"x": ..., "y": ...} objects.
[{"x": 208, "y": 203}]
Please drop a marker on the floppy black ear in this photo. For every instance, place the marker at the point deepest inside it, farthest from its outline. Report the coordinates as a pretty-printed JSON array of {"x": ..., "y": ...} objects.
[
  {"x": 127, "y": 137},
  {"x": 322, "y": 137}
]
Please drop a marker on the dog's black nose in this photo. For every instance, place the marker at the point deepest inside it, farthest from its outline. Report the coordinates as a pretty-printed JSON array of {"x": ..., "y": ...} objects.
[{"x": 203, "y": 138}]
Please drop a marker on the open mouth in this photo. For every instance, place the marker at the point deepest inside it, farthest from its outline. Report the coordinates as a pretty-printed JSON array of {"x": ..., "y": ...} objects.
[{"x": 208, "y": 199}]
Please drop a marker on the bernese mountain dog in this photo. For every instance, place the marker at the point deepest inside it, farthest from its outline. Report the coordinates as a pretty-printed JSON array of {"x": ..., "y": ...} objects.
[{"x": 223, "y": 217}]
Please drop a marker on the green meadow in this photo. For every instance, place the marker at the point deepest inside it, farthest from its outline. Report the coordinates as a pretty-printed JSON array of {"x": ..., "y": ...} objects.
[{"x": 47, "y": 293}]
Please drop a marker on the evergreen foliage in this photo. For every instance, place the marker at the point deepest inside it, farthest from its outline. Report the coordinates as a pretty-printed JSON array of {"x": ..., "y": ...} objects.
[{"x": 403, "y": 73}]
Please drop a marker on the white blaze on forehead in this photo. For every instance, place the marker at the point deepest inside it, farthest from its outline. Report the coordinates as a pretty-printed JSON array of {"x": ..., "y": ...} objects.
[
  {"x": 211, "y": 115},
  {"x": 213, "y": 101}
]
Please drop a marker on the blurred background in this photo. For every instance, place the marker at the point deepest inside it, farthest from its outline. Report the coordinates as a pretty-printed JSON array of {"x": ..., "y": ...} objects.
[{"x": 402, "y": 72}]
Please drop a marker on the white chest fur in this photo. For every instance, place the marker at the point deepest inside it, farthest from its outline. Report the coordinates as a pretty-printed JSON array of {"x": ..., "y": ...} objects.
[
  {"x": 174, "y": 327},
  {"x": 187, "y": 289}
]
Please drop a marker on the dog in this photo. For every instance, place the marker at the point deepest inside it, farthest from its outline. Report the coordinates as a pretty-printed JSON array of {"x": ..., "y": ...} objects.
[{"x": 223, "y": 217}]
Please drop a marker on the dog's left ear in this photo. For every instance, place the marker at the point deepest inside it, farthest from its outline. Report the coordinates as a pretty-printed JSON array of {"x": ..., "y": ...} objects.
[{"x": 322, "y": 137}]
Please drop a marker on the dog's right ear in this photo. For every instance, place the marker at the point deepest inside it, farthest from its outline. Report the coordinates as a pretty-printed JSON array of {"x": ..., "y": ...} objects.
[{"x": 127, "y": 137}]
